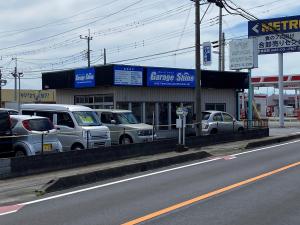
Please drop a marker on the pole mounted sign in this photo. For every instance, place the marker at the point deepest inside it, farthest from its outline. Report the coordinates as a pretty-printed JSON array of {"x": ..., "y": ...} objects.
[
  {"x": 243, "y": 54},
  {"x": 277, "y": 35},
  {"x": 206, "y": 53}
]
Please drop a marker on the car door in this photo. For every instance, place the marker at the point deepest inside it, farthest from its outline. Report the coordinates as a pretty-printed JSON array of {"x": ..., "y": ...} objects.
[
  {"x": 228, "y": 122},
  {"x": 66, "y": 130},
  {"x": 217, "y": 122},
  {"x": 106, "y": 118}
]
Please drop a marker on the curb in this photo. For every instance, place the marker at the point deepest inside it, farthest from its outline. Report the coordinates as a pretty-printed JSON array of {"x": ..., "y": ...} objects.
[
  {"x": 270, "y": 141},
  {"x": 63, "y": 183}
]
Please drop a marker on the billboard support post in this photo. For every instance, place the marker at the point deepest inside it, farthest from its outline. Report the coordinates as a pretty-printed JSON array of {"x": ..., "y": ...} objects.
[
  {"x": 280, "y": 86},
  {"x": 250, "y": 100}
]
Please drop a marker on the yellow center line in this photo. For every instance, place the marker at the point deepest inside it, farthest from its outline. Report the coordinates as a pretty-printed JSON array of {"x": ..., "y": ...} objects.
[{"x": 208, "y": 195}]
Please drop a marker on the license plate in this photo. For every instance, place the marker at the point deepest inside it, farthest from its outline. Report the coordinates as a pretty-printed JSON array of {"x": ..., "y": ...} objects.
[{"x": 47, "y": 147}]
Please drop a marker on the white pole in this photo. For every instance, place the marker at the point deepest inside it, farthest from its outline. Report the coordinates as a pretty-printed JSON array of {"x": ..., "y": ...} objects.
[
  {"x": 296, "y": 99},
  {"x": 179, "y": 134},
  {"x": 280, "y": 85},
  {"x": 183, "y": 130}
]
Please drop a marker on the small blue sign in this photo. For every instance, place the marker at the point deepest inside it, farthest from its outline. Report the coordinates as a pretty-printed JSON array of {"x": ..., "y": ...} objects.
[
  {"x": 163, "y": 77},
  {"x": 274, "y": 26},
  {"x": 84, "y": 78},
  {"x": 206, "y": 53}
]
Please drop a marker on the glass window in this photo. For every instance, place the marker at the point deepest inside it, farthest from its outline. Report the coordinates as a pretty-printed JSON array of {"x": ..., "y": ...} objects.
[
  {"x": 39, "y": 124},
  {"x": 150, "y": 109},
  {"x": 64, "y": 119},
  {"x": 108, "y": 99},
  {"x": 209, "y": 106},
  {"x": 205, "y": 115},
  {"x": 98, "y": 99},
  {"x": 122, "y": 105},
  {"x": 49, "y": 115},
  {"x": 215, "y": 106},
  {"x": 106, "y": 117},
  {"x": 86, "y": 118},
  {"x": 218, "y": 117},
  {"x": 125, "y": 118},
  {"x": 190, "y": 108},
  {"x": 136, "y": 108},
  {"x": 27, "y": 112},
  {"x": 163, "y": 116},
  {"x": 4, "y": 121},
  {"x": 227, "y": 117}
]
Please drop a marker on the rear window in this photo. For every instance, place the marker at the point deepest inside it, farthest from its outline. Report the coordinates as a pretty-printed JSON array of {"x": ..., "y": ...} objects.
[
  {"x": 205, "y": 115},
  {"x": 40, "y": 124}
]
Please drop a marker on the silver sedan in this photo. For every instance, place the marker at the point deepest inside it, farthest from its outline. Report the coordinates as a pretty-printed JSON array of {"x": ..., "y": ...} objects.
[{"x": 214, "y": 122}]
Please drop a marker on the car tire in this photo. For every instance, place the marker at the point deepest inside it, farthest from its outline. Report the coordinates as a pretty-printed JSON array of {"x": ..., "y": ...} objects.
[
  {"x": 125, "y": 140},
  {"x": 20, "y": 153},
  {"x": 213, "y": 131},
  {"x": 77, "y": 147},
  {"x": 240, "y": 130}
]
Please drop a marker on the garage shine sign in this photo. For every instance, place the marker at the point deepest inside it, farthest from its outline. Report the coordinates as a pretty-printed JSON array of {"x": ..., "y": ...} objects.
[
  {"x": 84, "y": 78},
  {"x": 163, "y": 77}
]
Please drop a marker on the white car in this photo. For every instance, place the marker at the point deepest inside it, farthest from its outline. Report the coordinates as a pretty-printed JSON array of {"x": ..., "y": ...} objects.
[
  {"x": 214, "y": 122},
  {"x": 34, "y": 135},
  {"x": 124, "y": 127},
  {"x": 78, "y": 126}
]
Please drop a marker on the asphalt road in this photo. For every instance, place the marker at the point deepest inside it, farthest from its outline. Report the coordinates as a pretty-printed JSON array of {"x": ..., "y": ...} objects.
[{"x": 273, "y": 198}]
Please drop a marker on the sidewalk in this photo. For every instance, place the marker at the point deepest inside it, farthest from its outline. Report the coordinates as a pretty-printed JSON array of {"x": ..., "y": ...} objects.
[{"x": 28, "y": 188}]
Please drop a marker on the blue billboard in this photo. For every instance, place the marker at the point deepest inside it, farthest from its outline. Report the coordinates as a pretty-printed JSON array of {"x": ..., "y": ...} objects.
[
  {"x": 163, "y": 77},
  {"x": 128, "y": 75},
  {"x": 84, "y": 78},
  {"x": 279, "y": 25}
]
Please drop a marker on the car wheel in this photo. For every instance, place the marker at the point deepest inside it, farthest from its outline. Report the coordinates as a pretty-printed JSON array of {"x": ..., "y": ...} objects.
[
  {"x": 20, "y": 153},
  {"x": 77, "y": 147},
  {"x": 126, "y": 140},
  {"x": 241, "y": 130},
  {"x": 214, "y": 131}
]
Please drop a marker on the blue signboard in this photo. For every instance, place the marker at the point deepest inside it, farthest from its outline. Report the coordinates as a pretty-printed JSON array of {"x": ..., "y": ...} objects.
[
  {"x": 128, "y": 75},
  {"x": 163, "y": 77},
  {"x": 272, "y": 26},
  {"x": 277, "y": 35},
  {"x": 206, "y": 53},
  {"x": 84, "y": 78}
]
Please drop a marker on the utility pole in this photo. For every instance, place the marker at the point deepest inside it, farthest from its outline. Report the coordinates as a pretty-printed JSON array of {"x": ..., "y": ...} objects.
[
  {"x": 88, "y": 38},
  {"x": 15, "y": 75},
  {"x": 104, "y": 56},
  {"x": 223, "y": 52},
  {"x": 198, "y": 70},
  {"x": 220, "y": 39}
]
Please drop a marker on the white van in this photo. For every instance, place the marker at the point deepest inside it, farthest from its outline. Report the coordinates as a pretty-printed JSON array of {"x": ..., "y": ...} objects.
[
  {"x": 124, "y": 127},
  {"x": 78, "y": 126}
]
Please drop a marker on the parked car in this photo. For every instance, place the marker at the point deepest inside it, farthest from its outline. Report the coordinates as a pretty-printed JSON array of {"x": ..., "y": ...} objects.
[
  {"x": 78, "y": 126},
  {"x": 5, "y": 133},
  {"x": 124, "y": 126},
  {"x": 214, "y": 122},
  {"x": 10, "y": 111},
  {"x": 34, "y": 135}
]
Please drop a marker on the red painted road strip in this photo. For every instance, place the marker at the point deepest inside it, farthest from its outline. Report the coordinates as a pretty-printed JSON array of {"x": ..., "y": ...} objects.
[{"x": 10, "y": 209}]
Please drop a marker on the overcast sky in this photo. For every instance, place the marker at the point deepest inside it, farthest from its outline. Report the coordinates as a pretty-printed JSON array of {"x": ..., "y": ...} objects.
[{"x": 44, "y": 35}]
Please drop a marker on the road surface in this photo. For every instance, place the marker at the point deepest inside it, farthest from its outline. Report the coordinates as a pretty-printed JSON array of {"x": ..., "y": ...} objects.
[{"x": 259, "y": 187}]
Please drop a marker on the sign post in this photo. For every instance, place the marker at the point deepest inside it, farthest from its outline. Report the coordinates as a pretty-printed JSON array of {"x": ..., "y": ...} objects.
[
  {"x": 277, "y": 35},
  {"x": 243, "y": 55}
]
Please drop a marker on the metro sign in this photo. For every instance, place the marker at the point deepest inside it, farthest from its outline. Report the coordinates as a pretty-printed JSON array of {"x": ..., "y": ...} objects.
[{"x": 276, "y": 35}]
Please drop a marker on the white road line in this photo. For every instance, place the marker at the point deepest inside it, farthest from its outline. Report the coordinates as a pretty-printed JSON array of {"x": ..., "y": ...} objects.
[
  {"x": 10, "y": 212},
  {"x": 147, "y": 175}
]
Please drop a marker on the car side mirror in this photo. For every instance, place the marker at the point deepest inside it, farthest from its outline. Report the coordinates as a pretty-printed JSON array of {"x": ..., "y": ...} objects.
[
  {"x": 113, "y": 122},
  {"x": 234, "y": 120}
]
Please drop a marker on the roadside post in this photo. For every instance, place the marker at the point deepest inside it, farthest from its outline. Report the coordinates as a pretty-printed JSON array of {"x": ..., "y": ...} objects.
[{"x": 181, "y": 125}]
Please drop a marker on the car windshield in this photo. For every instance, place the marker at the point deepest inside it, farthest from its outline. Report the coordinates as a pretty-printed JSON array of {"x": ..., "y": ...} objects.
[
  {"x": 126, "y": 118},
  {"x": 205, "y": 115},
  {"x": 87, "y": 118},
  {"x": 40, "y": 124}
]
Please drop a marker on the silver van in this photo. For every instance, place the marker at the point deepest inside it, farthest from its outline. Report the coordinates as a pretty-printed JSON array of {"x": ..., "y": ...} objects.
[
  {"x": 124, "y": 126},
  {"x": 78, "y": 126}
]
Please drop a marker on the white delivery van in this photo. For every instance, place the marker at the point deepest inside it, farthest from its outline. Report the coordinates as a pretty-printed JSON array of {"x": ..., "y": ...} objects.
[
  {"x": 124, "y": 127},
  {"x": 78, "y": 126}
]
